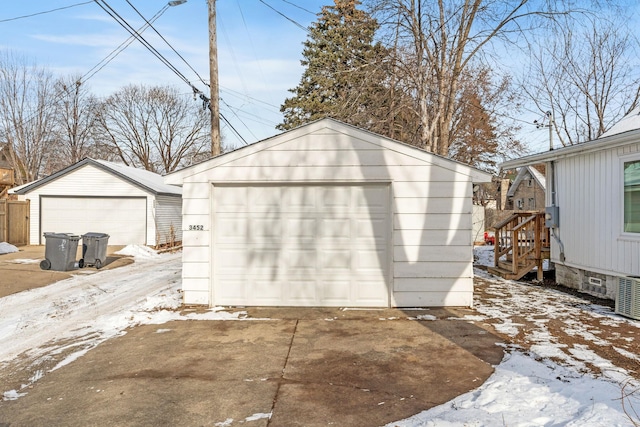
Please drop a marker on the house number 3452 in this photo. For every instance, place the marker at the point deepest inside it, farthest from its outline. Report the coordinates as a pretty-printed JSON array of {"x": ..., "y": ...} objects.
[{"x": 196, "y": 227}]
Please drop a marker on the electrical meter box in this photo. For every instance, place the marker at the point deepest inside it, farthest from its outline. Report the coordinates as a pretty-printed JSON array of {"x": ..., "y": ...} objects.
[{"x": 551, "y": 217}]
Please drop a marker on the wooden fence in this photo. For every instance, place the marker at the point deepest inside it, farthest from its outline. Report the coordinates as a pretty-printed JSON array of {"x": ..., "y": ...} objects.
[{"x": 14, "y": 222}]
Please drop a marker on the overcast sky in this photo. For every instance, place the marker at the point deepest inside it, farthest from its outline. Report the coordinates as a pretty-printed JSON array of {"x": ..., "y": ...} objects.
[{"x": 259, "y": 49}]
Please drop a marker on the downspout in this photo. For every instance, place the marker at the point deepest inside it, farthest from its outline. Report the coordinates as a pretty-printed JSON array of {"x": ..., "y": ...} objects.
[{"x": 552, "y": 179}]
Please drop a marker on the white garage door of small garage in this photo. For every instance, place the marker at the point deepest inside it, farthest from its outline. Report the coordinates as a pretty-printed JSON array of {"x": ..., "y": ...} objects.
[
  {"x": 301, "y": 245},
  {"x": 123, "y": 219}
]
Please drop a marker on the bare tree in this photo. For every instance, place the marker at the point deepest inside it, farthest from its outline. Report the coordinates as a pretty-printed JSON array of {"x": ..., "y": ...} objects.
[
  {"x": 27, "y": 114},
  {"x": 154, "y": 128},
  {"x": 480, "y": 136},
  {"x": 76, "y": 117},
  {"x": 437, "y": 41},
  {"x": 586, "y": 78}
]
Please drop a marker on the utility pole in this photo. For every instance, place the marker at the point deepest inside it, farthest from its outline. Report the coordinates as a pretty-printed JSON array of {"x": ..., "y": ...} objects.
[
  {"x": 550, "y": 116},
  {"x": 213, "y": 81},
  {"x": 539, "y": 125}
]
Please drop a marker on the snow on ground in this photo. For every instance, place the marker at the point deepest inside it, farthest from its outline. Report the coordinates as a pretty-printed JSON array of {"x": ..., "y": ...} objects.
[
  {"x": 25, "y": 261},
  {"x": 138, "y": 251},
  {"x": 526, "y": 392},
  {"x": 538, "y": 386},
  {"x": 529, "y": 388},
  {"x": 7, "y": 248},
  {"x": 483, "y": 255},
  {"x": 73, "y": 316}
]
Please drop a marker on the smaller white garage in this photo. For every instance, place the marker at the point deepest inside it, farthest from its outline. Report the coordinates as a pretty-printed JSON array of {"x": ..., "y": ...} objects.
[
  {"x": 328, "y": 215},
  {"x": 133, "y": 206}
]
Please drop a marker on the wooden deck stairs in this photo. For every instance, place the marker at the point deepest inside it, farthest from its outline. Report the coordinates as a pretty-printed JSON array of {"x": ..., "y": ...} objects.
[{"x": 521, "y": 244}]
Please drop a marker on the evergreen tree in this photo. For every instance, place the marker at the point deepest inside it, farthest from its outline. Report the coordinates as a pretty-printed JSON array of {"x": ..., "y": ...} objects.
[{"x": 344, "y": 76}]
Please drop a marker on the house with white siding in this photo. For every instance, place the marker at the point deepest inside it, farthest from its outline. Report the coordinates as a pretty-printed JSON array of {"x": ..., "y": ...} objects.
[
  {"x": 328, "y": 215},
  {"x": 133, "y": 206},
  {"x": 593, "y": 208}
]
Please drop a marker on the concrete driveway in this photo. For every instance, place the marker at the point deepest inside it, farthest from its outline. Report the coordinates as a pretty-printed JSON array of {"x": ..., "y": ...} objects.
[
  {"x": 278, "y": 367},
  {"x": 275, "y": 367}
]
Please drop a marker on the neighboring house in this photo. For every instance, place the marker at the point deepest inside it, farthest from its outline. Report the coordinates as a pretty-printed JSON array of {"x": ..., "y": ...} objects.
[
  {"x": 527, "y": 192},
  {"x": 328, "y": 215},
  {"x": 133, "y": 206},
  {"x": 5, "y": 162},
  {"x": 7, "y": 175},
  {"x": 594, "y": 189}
]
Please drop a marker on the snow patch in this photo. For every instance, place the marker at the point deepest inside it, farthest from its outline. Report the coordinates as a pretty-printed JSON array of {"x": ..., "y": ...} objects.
[
  {"x": 12, "y": 395},
  {"x": 526, "y": 392},
  {"x": 138, "y": 252},
  {"x": 424, "y": 317},
  {"x": 7, "y": 248},
  {"x": 258, "y": 416},
  {"x": 508, "y": 327}
]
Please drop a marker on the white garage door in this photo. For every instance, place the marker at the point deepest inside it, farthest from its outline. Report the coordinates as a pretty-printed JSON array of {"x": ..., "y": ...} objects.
[
  {"x": 300, "y": 245},
  {"x": 123, "y": 219}
]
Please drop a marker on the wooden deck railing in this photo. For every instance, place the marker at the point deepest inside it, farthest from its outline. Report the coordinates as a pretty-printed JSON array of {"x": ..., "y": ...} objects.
[{"x": 522, "y": 243}]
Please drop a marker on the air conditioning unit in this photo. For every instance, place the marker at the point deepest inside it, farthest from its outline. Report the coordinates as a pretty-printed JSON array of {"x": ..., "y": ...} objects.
[{"x": 628, "y": 297}]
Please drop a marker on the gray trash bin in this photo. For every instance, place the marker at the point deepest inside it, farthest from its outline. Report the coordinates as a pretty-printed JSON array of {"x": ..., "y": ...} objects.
[
  {"x": 94, "y": 250},
  {"x": 60, "y": 251}
]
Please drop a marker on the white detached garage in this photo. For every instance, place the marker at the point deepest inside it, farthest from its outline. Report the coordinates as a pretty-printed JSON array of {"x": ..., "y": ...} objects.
[
  {"x": 133, "y": 206},
  {"x": 328, "y": 215}
]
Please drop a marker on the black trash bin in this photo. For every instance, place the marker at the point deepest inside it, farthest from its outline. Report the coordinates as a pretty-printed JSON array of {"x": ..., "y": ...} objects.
[
  {"x": 94, "y": 250},
  {"x": 60, "y": 251}
]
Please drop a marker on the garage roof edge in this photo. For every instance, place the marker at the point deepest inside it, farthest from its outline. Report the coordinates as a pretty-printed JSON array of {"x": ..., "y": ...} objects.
[
  {"x": 602, "y": 143},
  {"x": 146, "y": 180},
  {"x": 477, "y": 175}
]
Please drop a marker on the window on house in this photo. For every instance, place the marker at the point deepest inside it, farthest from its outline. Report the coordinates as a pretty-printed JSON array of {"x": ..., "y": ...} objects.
[
  {"x": 529, "y": 183},
  {"x": 519, "y": 204},
  {"x": 532, "y": 203},
  {"x": 632, "y": 197}
]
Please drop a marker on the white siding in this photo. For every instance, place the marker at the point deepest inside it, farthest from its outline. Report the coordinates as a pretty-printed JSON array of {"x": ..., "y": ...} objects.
[
  {"x": 85, "y": 181},
  {"x": 590, "y": 199},
  {"x": 196, "y": 252},
  {"x": 431, "y": 208},
  {"x": 168, "y": 218}
]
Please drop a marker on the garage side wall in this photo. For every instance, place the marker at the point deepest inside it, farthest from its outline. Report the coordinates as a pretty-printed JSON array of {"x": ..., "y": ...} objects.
[
  {"x": 168, "y": 219},
  {"x": 85, "y": 181},
  {"x": 196, "y": 239},
  {"x": 432, "y": 250}
]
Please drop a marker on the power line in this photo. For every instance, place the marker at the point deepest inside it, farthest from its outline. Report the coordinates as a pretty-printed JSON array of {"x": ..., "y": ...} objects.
[
  {"x": 111, "y": 56},
  {"x": 297, "y": 24},
  {"x": 244, "y": 95},
  {"x": 233, "y": 129},
  {"x": 46, "y": 11},
  {"x": 298, "y": 6},
  {"x": 238, "y": 117},
  {"x": 233, "y": 56},
  {"x": 108, "y": 58},
  {"x": 168, "y": 44},
  {"x": 433, "y": 90},
  {"x": 205, "y": 100},
  {"x": 111, "y": 12}
]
